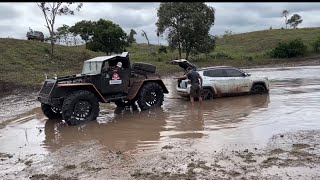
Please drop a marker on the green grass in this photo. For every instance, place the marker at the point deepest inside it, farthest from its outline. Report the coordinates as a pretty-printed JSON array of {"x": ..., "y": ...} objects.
[
  {"x": 25, "y": 62},
  {"x": 257, "y": 44}
]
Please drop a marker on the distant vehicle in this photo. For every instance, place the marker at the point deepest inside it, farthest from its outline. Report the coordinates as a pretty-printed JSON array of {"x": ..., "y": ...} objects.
[
  {"x": 222, "y": 81},
  {"x": 35, "y": 35}
]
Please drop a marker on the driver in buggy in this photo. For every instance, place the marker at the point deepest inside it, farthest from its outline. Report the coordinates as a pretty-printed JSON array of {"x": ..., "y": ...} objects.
[{"x": 117, "y": 67}]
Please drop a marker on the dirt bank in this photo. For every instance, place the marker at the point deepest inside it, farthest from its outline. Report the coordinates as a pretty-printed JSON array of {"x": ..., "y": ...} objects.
[
  {"x": 11, "y": 88},
  {"x": 294, "y": 62},
  {"x": 17, "y": 102},
  {"x": 293, "y": 155}
]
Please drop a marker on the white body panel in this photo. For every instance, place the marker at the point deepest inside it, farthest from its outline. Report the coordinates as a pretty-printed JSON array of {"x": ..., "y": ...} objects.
[{"x": 224, "y": 85}]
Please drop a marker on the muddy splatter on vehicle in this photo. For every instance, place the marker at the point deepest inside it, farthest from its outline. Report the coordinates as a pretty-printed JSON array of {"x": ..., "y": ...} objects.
[
  {"x": 219, "y": 81},
  {"x": 103, "y": 79}
]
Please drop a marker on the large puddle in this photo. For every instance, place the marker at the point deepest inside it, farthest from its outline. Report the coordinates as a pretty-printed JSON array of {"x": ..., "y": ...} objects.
[{"x": 292, "y": 104}]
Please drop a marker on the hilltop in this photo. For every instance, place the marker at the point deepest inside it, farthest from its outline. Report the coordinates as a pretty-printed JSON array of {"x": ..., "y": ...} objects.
[
  {"x": 24, "y": 63},
  {"x": 256, "y": 44}
]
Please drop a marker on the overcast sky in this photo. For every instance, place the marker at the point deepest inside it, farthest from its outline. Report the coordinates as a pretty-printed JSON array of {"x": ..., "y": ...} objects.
[{"x": 16, "y": 18}]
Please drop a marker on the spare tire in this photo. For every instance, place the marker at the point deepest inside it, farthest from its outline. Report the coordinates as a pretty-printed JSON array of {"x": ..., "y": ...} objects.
[
  {"x": 142, "y": 72},
  {"x": 144, "y": 67}
]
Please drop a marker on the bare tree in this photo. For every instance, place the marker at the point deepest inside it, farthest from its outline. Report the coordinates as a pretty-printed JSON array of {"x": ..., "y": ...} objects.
[
  {"x": 144, "y": 34},
  {"x": 285, "y": 14},
  {"x": 51, "y": 10}
]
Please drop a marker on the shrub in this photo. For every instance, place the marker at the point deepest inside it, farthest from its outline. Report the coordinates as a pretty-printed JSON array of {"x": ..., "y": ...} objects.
[
  {"x": 222, "y": 55},
  {"x": 288, "y": 50},
  {"x": 46, "y": 50},
  {"x": 316, "y": 45},
  {"x": 162, "y": 49}
]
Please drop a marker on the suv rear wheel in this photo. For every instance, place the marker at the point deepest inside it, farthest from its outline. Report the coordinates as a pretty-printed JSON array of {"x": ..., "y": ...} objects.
[
  {"x": 151, "y": 95},
  {"x": 206, "y": 94},
  {"x": 80, "y": 106},
  {"x": 51, "y": 112}
]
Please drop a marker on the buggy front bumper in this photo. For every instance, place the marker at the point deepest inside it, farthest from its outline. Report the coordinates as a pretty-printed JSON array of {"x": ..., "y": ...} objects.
[{"x": 56, "y": 102}]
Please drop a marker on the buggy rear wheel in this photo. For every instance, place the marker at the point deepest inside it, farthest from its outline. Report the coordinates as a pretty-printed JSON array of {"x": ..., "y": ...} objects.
[
  {"x": 151, "y": 95},
  {"x": 80, "y": 106}
]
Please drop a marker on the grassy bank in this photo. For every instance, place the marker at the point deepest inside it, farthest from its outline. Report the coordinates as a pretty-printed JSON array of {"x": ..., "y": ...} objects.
[
  {"x": 257, "y": 44},
  {"x": 25, "y": 62}
]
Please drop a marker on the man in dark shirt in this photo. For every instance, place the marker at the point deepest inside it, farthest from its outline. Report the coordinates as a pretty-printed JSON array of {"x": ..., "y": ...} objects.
[{"x": 196, "y": 84}]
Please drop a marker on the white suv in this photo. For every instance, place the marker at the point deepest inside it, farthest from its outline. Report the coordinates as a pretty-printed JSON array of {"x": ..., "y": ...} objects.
[{"x": 222, "y": 81}]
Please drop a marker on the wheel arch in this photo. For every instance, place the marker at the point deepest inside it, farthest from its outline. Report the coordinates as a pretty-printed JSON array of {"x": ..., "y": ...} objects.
[
  {"x": 134, "y": 92},
  {"x": 210, "y": 88},
  {"x": 259, "y": 83},
  {"x": 83, "y": 86}
]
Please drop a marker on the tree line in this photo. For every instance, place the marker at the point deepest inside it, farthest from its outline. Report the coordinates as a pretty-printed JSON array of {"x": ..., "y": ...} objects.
[{"x": 186, "y": 25}]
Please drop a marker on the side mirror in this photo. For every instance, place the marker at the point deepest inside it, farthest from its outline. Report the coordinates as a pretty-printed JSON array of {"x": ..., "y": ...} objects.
[{"x": 246, "y": 74}]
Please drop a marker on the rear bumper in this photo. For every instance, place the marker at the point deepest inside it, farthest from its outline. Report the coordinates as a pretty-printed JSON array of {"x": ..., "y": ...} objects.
[{"x": 183, "y": 92}]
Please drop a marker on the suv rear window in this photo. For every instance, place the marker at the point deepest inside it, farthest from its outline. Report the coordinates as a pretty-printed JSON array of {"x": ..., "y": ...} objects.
[{"x": 215, "y": 73}]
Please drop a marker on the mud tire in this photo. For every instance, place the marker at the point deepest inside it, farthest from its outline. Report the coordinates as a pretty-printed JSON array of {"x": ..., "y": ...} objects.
[
  {"x": 80, "y": 101},
  {"x": 206, "y": 94},
  {"x": 151, "y": 95},
  {"x": 258, "y": 89},
  {"x": 51, "y": 112},
  {"x": 144, "y": 67}
]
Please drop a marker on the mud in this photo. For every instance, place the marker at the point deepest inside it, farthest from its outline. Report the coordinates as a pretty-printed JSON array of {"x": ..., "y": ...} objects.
[{"x": 273, "y": 136}]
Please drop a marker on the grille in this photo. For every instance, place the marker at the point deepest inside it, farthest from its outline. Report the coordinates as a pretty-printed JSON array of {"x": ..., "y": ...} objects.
[{"x": 47, "y": 87}]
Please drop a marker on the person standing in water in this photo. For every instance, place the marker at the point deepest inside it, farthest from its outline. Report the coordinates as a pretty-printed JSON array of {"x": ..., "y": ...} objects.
[{"x": 196, "y": 84}]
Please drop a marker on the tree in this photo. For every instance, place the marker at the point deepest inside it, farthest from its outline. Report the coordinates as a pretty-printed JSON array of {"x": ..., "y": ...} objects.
[
  {"x": 84, "y": 29},
  {"x": 285, "y": 14},
  {"x": 131, "y": 38},
  {"x": 107, "y": 37},
  {"x": 144, "y": 34},
  {"x": 187, "y": 24},
  {"x": 227, "y": 33},
  {"x": 205, "y": 45},
  {"x": 63, "y": 32},
  {"x": 158, "y": 35},
  {"x": 295, "y": 20},
  {"x": 51, "y": 10}
]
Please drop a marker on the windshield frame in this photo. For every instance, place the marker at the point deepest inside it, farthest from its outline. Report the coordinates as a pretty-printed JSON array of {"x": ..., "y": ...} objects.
[{"x": 92, "y": 67}]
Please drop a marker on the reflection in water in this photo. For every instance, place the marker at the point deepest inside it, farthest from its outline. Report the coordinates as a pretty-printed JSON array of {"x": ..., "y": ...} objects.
[
  {"x": 126, "y": 130},
  {"x": 219, "y": 113},
  {"x": 129, "y": 130}
]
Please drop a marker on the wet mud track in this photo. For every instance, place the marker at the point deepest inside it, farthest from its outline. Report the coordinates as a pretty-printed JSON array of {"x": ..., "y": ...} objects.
[{"x": 274, "y": 136}]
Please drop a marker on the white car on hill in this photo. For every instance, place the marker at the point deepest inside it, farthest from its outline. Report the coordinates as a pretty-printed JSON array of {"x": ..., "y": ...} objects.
[{"x": 222, "y": 81}]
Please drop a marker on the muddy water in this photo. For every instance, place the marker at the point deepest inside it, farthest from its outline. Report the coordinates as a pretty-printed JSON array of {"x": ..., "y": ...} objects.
[{"x": 234, "y": 122}]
